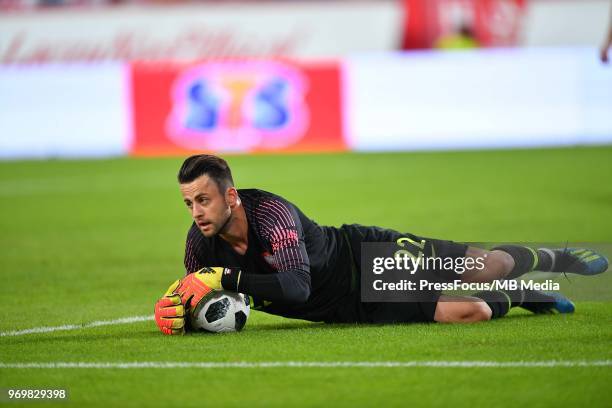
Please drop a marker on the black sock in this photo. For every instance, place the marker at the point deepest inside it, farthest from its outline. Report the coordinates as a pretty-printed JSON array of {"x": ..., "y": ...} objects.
[
  {"x": 501, "y": 301},
  {"x": 545, "y": 260},
  {"x": 526, "y": 259},
  {"x": 533, "y": 300},
  {"x": 517, "y": 297},
  {"x": 498, "y": 301},
  {"x": 536, "y": 301}
]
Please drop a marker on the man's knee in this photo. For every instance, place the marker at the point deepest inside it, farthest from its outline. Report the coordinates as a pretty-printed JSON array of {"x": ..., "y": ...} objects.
[
  {"x": 480, "y": 312},
  {"x": 497, "y": 264},
  {"x": 501, "y": 260},
  {"x": 462, "y": 311}
]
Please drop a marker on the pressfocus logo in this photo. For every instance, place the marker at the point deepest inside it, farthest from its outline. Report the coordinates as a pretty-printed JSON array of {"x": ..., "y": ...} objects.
[
  {"x": 411, "y": 271},
  {"x": 239, "y": 106}
]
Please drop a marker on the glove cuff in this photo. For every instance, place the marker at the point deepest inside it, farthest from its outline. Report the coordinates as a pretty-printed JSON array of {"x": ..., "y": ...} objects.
[{"x": 230, "y": 279}]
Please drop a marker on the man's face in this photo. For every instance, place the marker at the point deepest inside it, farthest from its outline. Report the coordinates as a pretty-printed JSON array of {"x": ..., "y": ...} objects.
[{"x": 208, "y": 206}]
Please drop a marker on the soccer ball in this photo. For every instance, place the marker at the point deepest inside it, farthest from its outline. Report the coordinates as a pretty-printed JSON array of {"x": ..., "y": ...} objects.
[{"x": 221, "y": 312}]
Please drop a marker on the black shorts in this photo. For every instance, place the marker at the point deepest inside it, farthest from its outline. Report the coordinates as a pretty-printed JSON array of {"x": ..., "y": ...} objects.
[
  {"x": 357, "y": 234},
  {"x": 353, "y": 310}
]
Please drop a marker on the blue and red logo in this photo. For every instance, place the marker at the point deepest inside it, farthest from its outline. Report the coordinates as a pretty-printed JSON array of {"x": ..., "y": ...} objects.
[
  {"x": 238, "y": 106},
  {"x": 183, "y": 108}
]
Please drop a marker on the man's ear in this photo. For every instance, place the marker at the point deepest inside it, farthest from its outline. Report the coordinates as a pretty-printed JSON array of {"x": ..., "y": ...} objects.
[{"x": 231, "y": 197}]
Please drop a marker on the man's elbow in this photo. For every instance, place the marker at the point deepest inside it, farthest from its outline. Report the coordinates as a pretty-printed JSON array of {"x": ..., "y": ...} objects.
[
  {"x": 296, "y": 287},
  {"x": 301, "y": 295},
  {"x": 298, "y": 294}
]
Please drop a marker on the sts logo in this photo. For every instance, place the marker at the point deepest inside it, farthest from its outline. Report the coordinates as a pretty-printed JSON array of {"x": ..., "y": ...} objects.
[{"x": 238, "y": 106}]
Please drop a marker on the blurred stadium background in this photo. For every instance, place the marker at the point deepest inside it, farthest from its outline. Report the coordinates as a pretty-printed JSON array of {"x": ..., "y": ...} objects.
[
  {"x": 132, "y": 78},
  {"x": 473, "y": 120}
]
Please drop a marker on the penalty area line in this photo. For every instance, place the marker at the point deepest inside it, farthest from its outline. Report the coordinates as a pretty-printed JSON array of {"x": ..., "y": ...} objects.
[
  {"x": 312, "y": 364},
  {"x": 123, "y": 320}
]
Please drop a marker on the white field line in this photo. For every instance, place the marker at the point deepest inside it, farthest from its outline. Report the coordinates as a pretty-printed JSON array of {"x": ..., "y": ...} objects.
[
  {"x": 313, "y": 364},
  {"x": 123, "y": 320},
  {"x": 270, "y": 364}
]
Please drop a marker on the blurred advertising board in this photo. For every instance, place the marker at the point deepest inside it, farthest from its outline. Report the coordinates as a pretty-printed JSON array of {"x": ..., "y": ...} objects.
[
  {"x": 425, "y": 100},
  {"x": 59, "y": 110},
  {"x": 236, "y": 106},
  {"x": 293, "y": 29},
  {"x": 194, "y": 31},
  {"x": 493, "y": 98}
]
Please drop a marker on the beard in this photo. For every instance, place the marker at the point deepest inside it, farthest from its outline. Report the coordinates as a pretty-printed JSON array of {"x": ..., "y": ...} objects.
[{"x": 215, "y": 228}]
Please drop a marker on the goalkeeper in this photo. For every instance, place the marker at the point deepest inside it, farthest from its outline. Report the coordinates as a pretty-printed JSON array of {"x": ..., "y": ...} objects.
[{"x": 254, "y": 242}]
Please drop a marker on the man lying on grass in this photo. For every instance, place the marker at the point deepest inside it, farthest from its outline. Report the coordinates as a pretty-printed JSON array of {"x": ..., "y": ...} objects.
[{"x": 254, "y": 242}]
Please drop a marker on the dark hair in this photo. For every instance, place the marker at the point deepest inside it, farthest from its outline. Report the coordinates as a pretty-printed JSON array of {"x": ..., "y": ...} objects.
[{"x": 206, "y": 164}]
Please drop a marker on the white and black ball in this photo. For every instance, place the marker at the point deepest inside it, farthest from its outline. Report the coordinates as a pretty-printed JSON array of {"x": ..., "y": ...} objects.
[{"x": 221, "y": 312}]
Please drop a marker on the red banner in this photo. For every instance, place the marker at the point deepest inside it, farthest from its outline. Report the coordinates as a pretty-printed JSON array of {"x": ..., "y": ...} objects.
[
  {"x": 235, "y": 106},
  {"x": 427, "y": 23}
]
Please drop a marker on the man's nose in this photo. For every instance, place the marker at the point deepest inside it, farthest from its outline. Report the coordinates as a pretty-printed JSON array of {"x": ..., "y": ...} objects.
[{"x": 197, "y": 211}]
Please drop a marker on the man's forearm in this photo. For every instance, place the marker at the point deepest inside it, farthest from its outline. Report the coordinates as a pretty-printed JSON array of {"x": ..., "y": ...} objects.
[{"x": 287, "y": 287}]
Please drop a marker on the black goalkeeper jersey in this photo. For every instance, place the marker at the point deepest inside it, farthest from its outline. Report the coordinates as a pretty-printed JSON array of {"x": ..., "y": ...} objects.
[{"x": 293, "y": 267}]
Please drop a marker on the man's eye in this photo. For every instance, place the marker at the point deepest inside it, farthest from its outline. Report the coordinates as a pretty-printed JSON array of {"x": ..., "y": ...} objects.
[{"x": 188, "y": 205}]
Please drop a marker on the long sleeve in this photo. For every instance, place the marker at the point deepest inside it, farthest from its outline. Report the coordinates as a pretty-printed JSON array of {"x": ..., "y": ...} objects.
[{"x": 280, "y": 226}]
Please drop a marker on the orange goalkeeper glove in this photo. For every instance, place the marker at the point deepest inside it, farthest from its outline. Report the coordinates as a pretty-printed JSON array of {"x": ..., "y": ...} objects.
[
  {"x": 197, "y": 285},
  {"x": 186, "y": 293},
  {"x": 170, "y": 312}
]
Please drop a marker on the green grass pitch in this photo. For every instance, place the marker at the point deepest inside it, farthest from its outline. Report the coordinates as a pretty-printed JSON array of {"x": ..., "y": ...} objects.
[{"x": 93, "y": 240}]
